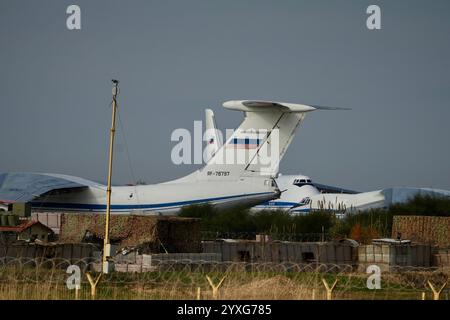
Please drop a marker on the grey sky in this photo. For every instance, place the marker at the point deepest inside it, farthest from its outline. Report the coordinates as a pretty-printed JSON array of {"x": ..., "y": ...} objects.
[{"x": 175, "y": 58}]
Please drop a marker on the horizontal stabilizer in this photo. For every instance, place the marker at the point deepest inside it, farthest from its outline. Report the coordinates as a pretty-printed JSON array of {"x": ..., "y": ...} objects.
[
  {"x": 259, "y": 106},
  {"x": 329, "y": 108}
]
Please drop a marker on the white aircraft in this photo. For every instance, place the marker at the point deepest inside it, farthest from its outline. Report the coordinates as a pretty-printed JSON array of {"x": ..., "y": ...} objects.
[
  {"x": 221, "y": 183},
  {"x": 297, "y": 191},
  {"x": 299, "y": 194},
  {"x": 302, "y": 195}
]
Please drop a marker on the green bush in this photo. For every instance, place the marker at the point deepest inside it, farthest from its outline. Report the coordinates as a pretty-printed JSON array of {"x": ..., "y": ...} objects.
[
  {"x": 267, "y": 221},
  {"x": 281, "y": 225},
  {"x": 423, "y": 206},
  {"x": 379, "y": 221}
]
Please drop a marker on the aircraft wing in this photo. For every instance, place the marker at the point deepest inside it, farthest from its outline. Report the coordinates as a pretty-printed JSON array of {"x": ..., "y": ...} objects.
[
  {"x": 331, "y": 189},
  {"x": 25, "y": 186}
]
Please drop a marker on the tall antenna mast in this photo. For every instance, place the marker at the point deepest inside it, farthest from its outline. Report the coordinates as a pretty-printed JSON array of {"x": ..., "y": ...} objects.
[{"x": 106, "y": 244}]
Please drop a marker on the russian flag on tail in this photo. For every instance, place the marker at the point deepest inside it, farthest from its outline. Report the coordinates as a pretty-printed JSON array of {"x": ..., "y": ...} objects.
[{"x": 244, "y": 143}]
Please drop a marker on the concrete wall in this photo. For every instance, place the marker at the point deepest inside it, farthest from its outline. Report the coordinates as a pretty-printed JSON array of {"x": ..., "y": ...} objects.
[
  {"x": 277, "y": 252},
  {"x": 441, "y": 259},
  {"x": 62, "y": 252},
  {"x": 134, "y": 262},
  {"x": 50, "y": 219},
  {"x": 390, "y": 257}
]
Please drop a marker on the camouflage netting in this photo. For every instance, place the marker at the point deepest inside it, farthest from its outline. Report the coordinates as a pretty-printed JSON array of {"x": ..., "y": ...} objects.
[
  {"x": 427, "y": 229},
  {"x": 154, "y": 234}
]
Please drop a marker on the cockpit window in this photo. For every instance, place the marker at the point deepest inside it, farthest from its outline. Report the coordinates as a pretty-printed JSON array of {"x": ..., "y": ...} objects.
[
  {"x": 305, "y": 201},
  {"x": 302, "y": 182}
]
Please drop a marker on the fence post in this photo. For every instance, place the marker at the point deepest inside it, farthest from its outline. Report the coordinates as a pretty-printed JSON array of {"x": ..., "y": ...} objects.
[
  {"x": 313, "y": 294},
  {"x": 77, "y": 292},
  {"x": 436, "y": 293},
  {"x": 93, "y": 283},
  {"x": 215, "y": 289},
  {"x": 327, "y": 287},
  {"x": 423, "y": 295},
  {"x": 198, "y": 293}
]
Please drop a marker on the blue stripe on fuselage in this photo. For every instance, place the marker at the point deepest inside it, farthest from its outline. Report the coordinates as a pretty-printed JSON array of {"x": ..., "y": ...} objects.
[
  {"x": 123, "y": 207},
  {"x": 281, "y": 205}
]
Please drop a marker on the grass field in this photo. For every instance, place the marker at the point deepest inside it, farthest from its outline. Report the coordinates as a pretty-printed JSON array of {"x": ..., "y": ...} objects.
[{"x": 239, "y": 283}]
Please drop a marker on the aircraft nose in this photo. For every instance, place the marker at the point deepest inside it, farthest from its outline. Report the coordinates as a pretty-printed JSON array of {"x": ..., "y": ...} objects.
[
  {"x": 276, "y": 190},
  {"x": 278, "y": 193}
]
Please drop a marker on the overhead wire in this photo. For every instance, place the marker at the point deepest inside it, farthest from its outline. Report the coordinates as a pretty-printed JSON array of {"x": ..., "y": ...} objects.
[{"x": 130, "y": 165}]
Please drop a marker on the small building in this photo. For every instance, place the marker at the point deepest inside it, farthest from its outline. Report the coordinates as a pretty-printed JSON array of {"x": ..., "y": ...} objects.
[
  {"x": 146, "y": 233},
  {"x": 29, "y": 230}
]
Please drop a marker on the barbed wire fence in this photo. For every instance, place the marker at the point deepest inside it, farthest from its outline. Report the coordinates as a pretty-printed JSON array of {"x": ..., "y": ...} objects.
[{"x": 41, "y": 278}]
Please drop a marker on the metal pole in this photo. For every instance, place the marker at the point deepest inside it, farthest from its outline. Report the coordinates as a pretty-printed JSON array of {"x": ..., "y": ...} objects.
[{"x": 106, "y": 244}]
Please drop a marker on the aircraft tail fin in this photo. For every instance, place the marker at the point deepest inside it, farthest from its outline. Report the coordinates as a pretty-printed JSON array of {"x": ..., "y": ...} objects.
[{"x": 257, "y": 146}]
